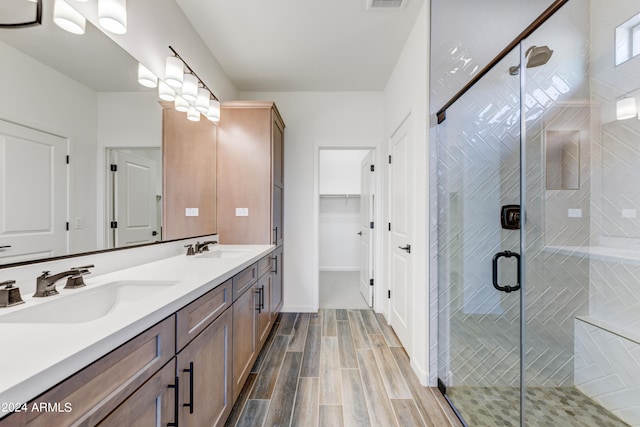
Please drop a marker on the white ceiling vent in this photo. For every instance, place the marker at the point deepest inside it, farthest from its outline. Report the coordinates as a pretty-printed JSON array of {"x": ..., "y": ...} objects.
[{"x": 385, "y": 4}]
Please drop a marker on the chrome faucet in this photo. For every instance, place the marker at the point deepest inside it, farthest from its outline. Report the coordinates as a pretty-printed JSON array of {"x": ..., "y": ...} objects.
[
  {"x": 46, "y": 284},
  {"x": 204, "y": 246}
]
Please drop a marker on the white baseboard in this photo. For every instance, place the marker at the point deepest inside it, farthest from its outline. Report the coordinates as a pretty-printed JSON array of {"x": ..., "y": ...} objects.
[
  {"x": 298, "y": 309},
  {"x": 422, "y": 374},
  {"x": 339, "y": 268}
]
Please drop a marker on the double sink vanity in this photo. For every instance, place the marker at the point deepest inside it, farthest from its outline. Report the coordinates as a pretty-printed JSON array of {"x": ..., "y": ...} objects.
[{"x": 169, "y": 341}]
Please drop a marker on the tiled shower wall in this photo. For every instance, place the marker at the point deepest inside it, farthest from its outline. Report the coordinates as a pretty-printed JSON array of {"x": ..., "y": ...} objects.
[{"x": 481, "y": 154}]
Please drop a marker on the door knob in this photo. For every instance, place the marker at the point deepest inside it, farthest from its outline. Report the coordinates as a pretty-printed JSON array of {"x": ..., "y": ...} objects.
[{"x": 405, "y": 248}]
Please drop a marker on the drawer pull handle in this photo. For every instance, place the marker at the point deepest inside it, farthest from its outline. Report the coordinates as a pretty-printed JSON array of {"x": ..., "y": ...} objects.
[
  {"x": 190, "y": 404},
  {"x": 275, "y": 258},
  {"x": 176, "y": 407}
]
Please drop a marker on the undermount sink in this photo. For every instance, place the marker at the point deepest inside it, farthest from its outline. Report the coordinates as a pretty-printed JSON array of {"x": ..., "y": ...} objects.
[
  {"x": 223, "y": 253},
  {"x": 87, "y": 304}
]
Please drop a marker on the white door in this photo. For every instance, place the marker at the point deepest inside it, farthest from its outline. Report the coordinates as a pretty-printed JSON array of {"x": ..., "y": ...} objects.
[
  {"x": 366, "y": 232},
  {"x": 135, "y": 207},
  {"x": 33, "y": 194},
  {"x": 401, "y": 219}
]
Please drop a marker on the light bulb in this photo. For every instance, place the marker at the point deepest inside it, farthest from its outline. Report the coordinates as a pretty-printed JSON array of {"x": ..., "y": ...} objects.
[
  {"x": 165, "y": 92},
  {"x": 112, "y": 15},
  {"x": 213, "y": 113},
  {"x": 181, "y": 104},
  {"x": 190, "y": 87},
  {"x": 173, "y": 71},
  {"x": 202, "y": 103},
  {"x": 193, "y": 114},
  {"x": 67, "y": 18},
  {"x": 145, "y": 77}
]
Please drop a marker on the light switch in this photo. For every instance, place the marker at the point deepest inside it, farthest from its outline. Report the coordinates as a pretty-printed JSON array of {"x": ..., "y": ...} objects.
[
  {"x": 629, "y": 213},
  {"x": 79, "y": 223},
  {"x": 242, "y": 211},
  {"x": 574, "y": 213},
  {"x": 191, "y": 212}
]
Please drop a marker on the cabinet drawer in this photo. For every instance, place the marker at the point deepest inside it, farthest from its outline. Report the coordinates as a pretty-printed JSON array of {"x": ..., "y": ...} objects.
[
  {"x": 195, "y": 317},
  {"x": 99, "y": 388},
  {"x": 243, "y": 280},
  {"x": 264, "y": 265}
]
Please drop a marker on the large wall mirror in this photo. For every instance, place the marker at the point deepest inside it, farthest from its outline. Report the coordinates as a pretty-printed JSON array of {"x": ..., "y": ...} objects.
[{"x": 81, "y": 160}]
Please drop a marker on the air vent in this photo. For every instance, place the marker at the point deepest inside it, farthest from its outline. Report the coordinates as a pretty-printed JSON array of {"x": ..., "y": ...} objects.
[{"x": 385, "y": 4}]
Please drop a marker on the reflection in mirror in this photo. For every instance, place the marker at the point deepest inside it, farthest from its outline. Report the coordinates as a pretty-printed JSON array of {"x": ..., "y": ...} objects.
[
  {"x": 562, "y": 153},
  {"x": 67, "y": 101}
]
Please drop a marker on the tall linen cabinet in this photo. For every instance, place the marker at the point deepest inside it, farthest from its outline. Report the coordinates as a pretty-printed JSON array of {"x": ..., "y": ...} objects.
[{"x": 250, "y": 181}]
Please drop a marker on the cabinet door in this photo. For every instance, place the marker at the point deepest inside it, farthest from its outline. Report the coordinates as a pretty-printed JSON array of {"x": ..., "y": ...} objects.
[
  {"x": 153, "y": 404},
  {"x": 277, "y": 218},
  {"x": 204, "y": 369},
  {"x": 276, "y": 283},
  {"x": 245, "y": 343},
  {"x": 264, "y": 310},
  {"x": 278, "y": 153}
]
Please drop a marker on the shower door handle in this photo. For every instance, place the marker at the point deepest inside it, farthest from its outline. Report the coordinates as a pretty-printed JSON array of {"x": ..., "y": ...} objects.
[{"x": 505, "y": 288}]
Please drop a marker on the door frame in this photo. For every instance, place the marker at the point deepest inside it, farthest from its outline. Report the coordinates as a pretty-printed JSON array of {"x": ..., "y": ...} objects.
[{"x": 378, "y": 275}]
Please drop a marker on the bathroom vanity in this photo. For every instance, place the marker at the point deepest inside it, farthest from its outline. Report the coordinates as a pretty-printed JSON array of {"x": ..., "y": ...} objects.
[{"x": 169, "y": 342}]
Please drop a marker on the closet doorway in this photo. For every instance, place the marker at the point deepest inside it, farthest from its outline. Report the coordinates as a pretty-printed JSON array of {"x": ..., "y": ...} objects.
[{"x": 345, "y": 228}]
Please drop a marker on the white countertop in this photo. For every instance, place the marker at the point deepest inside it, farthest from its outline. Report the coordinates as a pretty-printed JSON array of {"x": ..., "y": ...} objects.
[{"x": 37, "y": 356}]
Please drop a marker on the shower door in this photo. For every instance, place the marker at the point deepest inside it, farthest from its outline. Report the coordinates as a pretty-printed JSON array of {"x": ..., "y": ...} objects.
[{"x": 479, "y": 244}]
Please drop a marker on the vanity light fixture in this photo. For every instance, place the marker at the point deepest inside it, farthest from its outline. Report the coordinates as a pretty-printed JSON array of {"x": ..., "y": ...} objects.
[
  {"x": 112, "y": 15},
  {"x": 181, "y": 104},
  {"x": 193, "y": 90},
  {"x": 193, "y": 114},
  {"x": 626, "y": 108},
  {"x": 165, "y": 92},
  {"x": 190, "y": 88},
  {"x": 67, "y": 18},
  {"x": 145, "y": 77}
]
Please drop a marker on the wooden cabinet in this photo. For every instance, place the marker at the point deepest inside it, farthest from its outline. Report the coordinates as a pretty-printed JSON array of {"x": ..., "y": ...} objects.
[
  {"x": 99, "y": 388},
  {"x": 245, "y": 329},
  {"x": 189, "y": 175},
  {"x": 265, "y": 317},
  {"x": 277, "y": 290},
  {"x": 204, "y": 370},
  {"x": 153, "y": 404},
  {"x": 250, "y": 173}
]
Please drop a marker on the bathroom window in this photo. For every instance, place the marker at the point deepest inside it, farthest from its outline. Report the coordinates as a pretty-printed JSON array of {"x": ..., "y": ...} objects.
[{"x": 628, "y": 40}]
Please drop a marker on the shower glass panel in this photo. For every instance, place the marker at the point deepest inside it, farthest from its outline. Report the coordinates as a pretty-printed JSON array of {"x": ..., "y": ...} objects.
[
  {"x": 564, "y": 349},
  {"x": 479, "y": 325}
]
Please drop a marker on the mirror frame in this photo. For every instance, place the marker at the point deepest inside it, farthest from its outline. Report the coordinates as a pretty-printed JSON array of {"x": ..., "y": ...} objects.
[{"x": 37, "y": 20}]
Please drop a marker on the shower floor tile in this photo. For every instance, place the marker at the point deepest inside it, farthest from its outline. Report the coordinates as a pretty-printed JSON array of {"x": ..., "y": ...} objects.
[{"x": 545, "y": 406}]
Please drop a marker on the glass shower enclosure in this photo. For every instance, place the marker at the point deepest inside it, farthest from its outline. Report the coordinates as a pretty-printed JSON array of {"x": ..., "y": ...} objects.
[{"x": 538, "y": 230}]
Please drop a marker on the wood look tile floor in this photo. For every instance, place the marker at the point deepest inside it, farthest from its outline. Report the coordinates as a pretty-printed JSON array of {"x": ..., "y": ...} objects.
[{"x": 336, "y": 368}]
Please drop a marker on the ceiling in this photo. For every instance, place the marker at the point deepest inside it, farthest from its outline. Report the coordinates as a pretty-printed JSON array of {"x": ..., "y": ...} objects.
[{"x": 303, "y": 45}]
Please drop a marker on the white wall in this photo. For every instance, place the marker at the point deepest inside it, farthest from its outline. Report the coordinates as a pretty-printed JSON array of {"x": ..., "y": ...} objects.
[
  {"x": 405, "y": 96},
  {"x": 340, "y": 171},
  {"x": 314, "y": 120}
]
